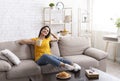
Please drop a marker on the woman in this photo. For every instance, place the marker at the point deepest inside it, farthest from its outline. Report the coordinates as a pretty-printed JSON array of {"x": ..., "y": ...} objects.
[{"x": 43, "y": 54}]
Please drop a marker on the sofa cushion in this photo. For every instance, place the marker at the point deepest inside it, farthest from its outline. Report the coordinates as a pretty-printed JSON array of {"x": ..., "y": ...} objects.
[
  {"x": 55, "y": 48},
  {"x": 73, "y": 45},
  {"x": 32, "y": 51},
  {"x": 25, "y": 69},
  {"x": 83, "y": 60},
  {"x": 4, "y": 66},
  {"x": 11, "y": 56},
  {"x": 22, "y": 51}
]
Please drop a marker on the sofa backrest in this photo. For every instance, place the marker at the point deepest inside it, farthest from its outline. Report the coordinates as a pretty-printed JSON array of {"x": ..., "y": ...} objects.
[
  {"x": 22, "y": 51},
  {"x": 73, "y": 45},
  {"x": 55, "y": 48}
]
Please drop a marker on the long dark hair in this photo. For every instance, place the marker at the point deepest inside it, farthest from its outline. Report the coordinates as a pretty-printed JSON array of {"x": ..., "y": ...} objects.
[{"x": 47, "y": 34}]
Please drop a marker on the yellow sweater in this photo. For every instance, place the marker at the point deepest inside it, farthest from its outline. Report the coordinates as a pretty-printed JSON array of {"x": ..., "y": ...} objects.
[{"x": 43, "y": 49}]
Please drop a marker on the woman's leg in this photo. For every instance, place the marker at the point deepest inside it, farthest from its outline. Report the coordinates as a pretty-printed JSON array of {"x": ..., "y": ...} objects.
[
  {"x": 56, "y": 61},
  {"x": 48, "y": 59},
  {"x": 68, "y": 64},
  {"x": 63, "y": 60}
]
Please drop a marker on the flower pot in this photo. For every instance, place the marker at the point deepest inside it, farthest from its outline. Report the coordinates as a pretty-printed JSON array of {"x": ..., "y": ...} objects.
[{"x": 52, "y": 7}]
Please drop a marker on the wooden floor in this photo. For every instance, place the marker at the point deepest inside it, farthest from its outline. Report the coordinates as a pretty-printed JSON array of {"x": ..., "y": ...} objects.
[{"x": 113, "y": 68}]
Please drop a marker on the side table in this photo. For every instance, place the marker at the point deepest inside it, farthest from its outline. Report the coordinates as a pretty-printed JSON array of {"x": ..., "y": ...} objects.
[{"x": 111, "y": 39}]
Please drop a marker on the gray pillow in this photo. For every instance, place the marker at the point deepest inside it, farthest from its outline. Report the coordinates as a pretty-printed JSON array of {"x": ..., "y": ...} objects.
[{"x": 4, "y": 66}]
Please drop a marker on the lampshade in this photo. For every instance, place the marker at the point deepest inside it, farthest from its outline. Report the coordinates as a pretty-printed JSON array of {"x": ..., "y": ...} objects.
[{"x": 67, "y": 19}]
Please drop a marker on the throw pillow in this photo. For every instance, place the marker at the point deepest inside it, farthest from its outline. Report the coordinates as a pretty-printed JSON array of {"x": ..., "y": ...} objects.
[
  {"x": 4, "y": 66},
  {"x": 11, "y": 56}
]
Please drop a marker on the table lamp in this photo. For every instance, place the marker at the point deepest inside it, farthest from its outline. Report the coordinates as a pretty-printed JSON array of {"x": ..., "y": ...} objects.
[{"x": 66, "y": 20}]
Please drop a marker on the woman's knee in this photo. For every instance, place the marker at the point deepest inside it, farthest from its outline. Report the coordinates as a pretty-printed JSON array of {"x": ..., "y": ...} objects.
[{"x": 46, "y": 56}]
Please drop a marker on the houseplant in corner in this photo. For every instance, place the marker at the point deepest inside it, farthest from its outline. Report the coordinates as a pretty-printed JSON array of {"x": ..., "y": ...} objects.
[{"x": 118, "y": 26}]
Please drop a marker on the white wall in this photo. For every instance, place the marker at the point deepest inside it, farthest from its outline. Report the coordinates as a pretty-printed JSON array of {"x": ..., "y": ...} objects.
[
  {"x": 23, "y": 18},
  {"x": 19, "y": 19}
]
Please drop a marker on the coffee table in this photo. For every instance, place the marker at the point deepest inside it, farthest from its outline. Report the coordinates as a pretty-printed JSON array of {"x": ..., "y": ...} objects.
[
  {"x": 75, "y": 76},
  {"x": 80, "y": 76}
]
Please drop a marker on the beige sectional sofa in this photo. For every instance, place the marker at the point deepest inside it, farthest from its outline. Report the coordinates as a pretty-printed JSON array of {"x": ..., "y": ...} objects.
[{"x": 76, "y": 49}]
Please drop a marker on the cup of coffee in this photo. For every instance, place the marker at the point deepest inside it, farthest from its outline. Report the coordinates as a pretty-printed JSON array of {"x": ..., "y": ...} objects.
[{"x": 39, "y": 42}]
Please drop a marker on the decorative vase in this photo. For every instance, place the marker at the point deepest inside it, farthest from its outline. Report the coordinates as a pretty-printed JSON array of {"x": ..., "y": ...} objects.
[{"x": 118, "y": 32}]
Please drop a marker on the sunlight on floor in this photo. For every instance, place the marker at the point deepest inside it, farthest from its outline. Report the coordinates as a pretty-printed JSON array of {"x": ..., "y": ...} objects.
[{"x": 113, "y": 68}]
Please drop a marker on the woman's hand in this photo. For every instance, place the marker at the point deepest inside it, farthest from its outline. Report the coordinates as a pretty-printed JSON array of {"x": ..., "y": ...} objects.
[{"x": 54, "y": 36}]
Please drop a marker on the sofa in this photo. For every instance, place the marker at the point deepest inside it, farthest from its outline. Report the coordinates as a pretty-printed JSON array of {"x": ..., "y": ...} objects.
[{"x": 75, "y": 49}]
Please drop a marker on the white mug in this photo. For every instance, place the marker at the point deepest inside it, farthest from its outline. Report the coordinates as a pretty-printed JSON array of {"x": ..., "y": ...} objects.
[{"x": 39, "y": 42}]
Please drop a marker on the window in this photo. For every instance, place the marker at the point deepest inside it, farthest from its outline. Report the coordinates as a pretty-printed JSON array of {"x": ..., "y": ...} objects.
[{"x": 105, "y": 13}]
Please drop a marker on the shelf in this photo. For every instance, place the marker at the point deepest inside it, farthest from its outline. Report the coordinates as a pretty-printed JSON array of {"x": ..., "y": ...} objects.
[
  {"x": 57, "y": 17},
  {"x": 84, "y": 26}
]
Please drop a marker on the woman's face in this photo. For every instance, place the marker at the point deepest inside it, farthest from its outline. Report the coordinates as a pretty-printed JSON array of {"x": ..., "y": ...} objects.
[{"x": 45, "y": 31}]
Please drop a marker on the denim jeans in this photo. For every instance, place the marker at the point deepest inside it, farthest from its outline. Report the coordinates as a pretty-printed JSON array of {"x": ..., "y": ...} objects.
[{"x": 51, "y": 59}]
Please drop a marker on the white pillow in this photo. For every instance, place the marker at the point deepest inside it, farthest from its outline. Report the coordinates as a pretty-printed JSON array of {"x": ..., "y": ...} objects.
[{"x": 11, "y": 56}]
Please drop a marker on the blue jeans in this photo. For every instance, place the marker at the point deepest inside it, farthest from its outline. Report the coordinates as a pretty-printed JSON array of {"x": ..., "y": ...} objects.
[{"x": 51, "y": 59}]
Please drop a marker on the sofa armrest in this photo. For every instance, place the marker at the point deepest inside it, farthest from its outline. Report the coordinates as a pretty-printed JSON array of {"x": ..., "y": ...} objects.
[
  {"x": 4, "y": 66},
  {"x": 95, "y": 53}
]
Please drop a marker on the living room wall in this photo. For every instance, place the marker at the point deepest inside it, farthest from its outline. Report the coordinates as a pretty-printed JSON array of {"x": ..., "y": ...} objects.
[{"x": 21, "y": 19}]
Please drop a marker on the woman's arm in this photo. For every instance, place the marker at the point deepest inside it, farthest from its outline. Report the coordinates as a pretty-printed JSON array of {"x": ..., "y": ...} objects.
[
  {"x": 27, "y": 41},
  {"x": 54, "y": 37}
]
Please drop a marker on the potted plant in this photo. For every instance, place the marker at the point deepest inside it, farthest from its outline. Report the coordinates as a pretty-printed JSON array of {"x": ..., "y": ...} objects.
[
  {"x": 118, "y": 23},
  {"x": 118, "y": 26},
  {"x": 51, "y": 5}
]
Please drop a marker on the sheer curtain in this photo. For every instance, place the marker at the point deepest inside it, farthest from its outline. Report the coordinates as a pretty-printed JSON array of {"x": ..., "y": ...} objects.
[{"x": 105, "y": 13}]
